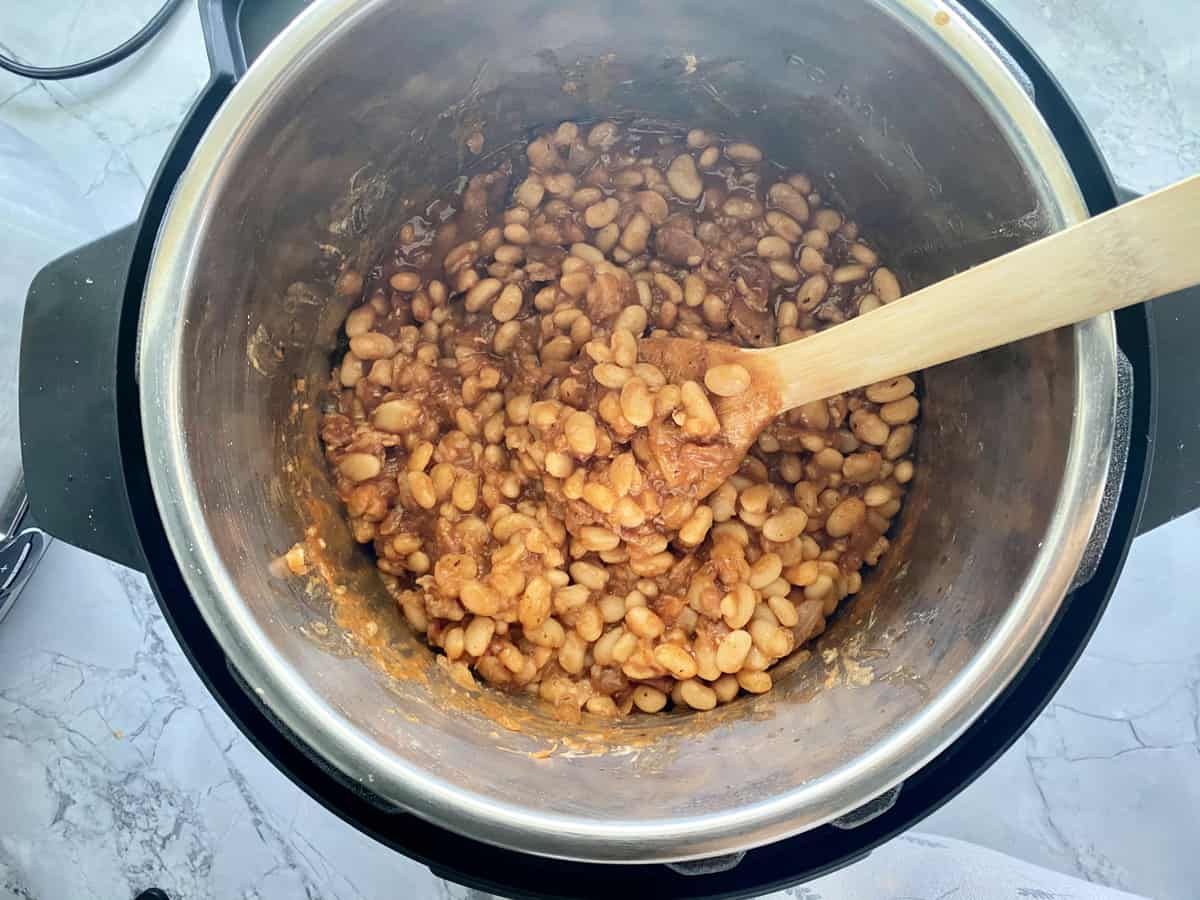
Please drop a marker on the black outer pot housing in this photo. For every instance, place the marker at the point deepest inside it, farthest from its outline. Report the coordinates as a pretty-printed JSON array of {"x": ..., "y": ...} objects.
[{"x": 86, "y": 473}]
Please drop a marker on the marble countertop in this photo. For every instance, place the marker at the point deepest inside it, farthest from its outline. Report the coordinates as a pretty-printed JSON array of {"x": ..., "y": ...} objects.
[{"x": 118, "y": 771}]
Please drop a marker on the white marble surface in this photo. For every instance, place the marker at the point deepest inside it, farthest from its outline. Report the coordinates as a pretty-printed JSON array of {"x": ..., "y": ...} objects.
[{"x": 117, "y": 771}]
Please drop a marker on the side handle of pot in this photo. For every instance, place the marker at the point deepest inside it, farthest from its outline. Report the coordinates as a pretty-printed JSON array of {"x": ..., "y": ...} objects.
[
  {"x": 78, "y": 345},
  {"x": 70, "y": 447},
  {"x": 1174, "y": 486}
]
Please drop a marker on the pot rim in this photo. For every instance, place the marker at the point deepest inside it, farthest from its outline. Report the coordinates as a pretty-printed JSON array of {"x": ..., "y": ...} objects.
[{"x": 972, "y": 56}]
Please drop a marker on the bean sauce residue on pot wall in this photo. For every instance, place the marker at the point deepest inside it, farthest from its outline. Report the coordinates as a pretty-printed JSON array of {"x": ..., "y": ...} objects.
[{"x": 497, "y": 437}]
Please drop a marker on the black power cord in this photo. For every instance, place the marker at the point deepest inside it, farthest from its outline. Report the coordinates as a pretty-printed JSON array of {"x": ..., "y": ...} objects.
[{"x": 97, "y": 63}]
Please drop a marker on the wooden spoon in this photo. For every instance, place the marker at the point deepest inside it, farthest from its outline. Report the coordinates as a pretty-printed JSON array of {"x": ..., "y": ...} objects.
[{"x": 1136, "y": 252}]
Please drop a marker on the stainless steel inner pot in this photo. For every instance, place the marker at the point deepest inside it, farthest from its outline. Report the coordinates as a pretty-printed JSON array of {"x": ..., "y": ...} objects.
[{"x": 356, "y": 114}]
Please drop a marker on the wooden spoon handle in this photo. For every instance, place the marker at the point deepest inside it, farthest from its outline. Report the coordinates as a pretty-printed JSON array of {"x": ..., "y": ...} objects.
[{"x": 1131, "y": 254}]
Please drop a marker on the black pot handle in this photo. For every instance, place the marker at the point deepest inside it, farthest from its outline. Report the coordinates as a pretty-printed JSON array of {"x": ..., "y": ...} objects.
[
  {"x": 70, "y": 451},
  {"x": 1174, "y": 485},
  {"x": 219, "y": 23}
]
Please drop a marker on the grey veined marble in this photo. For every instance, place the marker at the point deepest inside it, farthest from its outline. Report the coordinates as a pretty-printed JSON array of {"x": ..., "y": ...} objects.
[{"x": 117, "y": 771}]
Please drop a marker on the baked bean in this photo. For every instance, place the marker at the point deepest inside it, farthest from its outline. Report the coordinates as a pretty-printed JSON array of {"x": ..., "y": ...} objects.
[
  {"x": 697, "y": 695},
  {"x": 877, "y": 495},
  {"x": 769, "y": 639},
  {"x": 572, "y": 654},
  {"x": 785, "y": 525},
  {"x": 652, "y": 375},
  {"x": 595, "y": 538},
  {"x": 684, "y": 179},
  {"x": 743, "y": 154},
  {"x": 812, "y": 292},
  {"x": 898, "y": 442},
  {"x": 828, "y": 458},
  {"x": 727, "y": 380},
  {"x": 732, "y": 650},
  {"x": 811, "y": 260},
  {"x": 886, "y": 285},
  {"x": 636, "y": 403},
  {"x": 628, "y": 514},
  {"x": 509, "y": 254},
  {"x": 465, "y": 493},
  {"x": 624, "y": 348},
  {"x": 606, "y": 238},
  {"x": 821, "y": 587},
  {"x": 372, "y": 345},
  {"x": 405, "y": 282},
  {"x": 508, "y": 304},
  {"x": 530, "y": 193},
  {"x": 627, "y": 179},
  {"x": 754, "y": 682},
  {"x": 632, "y": 319},
  {"x": 702, "y": 421},
  {"x": 478, "y": 635},
  {"x": 862, "y": 467},
  {"x": 869, "y": 428},
  {"x": 828, "y": 220},
  {"x": 890, "y": 390},
  {"x": 694, "y": 289},
  {"x": 649, "y": 699},
  {"x": 899, "y": 412},
  {"x": 602, "y": 706},
  {"x": 741, "y": 207},
  {"x": 738, "y": 605},
  {"x": 845, "y": 517},
  {"x": 600, "y": 214},
  {"x": 636, "y": 233},
  {"x": 675, "y": 660},
  {"x": 644, "y": 622},
  {"x": 726, "y": 688},
  {"x": 479, "y": 598},
  {"x": 560, "y": 465},
  {"x": 397, "y": 416},
  {"x": 755, "y": 498},
  {"x": 765, "y": 570},
  {"x": 849, "y": 274},
  {"x": 559, "y": 184},
  {"x": 360, "y": 321},
  {"x": 653, "y": 205},
  {"x": 359, "y": 466},
  {"x": 350, "y": 372},
  {"x": 784, "y": 226},
  {"x": 482, "y": 293},
  {"x": 610, "y": 375},
  {"x": 349, "y": 284},
  {"x": 580, "y": 430},
  {"x": 783, "y": 608},
  {"x": 789, "y": 200},
  {"x": 587, "y": 253},
  {"x": 442, "y": 475},
  {"x": 542, "y": 155},
  {"x": 669, "y": 287},
  {"x": 784, "y": 271}
]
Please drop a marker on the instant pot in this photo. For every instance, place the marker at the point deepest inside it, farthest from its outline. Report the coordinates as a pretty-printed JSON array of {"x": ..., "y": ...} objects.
[{"x": 170, "y": 388}]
